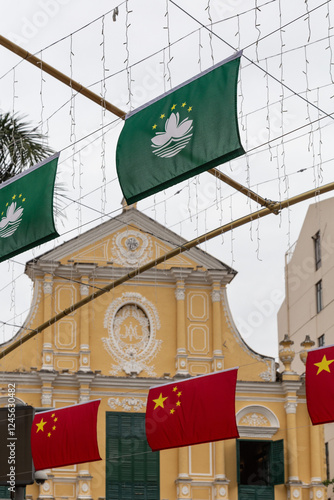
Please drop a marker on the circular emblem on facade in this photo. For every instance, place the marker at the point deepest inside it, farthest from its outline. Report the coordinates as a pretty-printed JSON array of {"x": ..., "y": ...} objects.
[
  {"x": 295, "y": 493},
  {"x": 131, "y": 248},
  {"x": 319, "y": 494},
  {"x": 132, "y": 322},
  {"x": 185, "y": 490},
  {"x": 46, "y": 486},
  {"x": 219, "y": 365},
  {"x": 222, "y": 492},
  {"x": 131, "y": 244},
  {"x": 85, "y": 487},
  {"x": 85, "y": 360}
]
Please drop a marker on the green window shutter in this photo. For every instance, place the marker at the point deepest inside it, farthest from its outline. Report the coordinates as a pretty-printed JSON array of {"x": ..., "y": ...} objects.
[
  {"x": 132, "y": 469},
  {"x": 4, "y": 492},
  {"x": 277, "y": 462},
  {"x": 238, "y": 460}
]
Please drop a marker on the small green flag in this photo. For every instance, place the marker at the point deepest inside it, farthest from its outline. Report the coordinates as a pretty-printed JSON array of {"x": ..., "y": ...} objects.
[
  {"x": 188, "y": 130},
  {"x": 26, "y": 209}
]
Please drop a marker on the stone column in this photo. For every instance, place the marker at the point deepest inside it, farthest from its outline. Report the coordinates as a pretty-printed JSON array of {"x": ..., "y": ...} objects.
[
  {"x": 181, "y": 338},
  {"x": 220, "y": 482},
  {"x": 291, "y": 384},
  {"x": 318, "y": 490},
  {"x": 291, "y": 424}
]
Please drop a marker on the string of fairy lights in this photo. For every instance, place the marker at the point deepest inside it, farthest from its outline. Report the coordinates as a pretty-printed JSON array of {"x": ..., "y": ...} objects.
[{"x": 277, "y": 150}]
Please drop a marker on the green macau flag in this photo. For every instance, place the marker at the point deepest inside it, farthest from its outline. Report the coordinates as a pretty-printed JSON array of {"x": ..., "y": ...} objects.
[
  {"x": 26, "y": 209},
  {"x": 188, "y": 130}
]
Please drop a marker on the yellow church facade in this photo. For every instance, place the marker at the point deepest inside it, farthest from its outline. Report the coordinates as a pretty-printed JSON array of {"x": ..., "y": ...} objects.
[{"x": 170, "y": 322}]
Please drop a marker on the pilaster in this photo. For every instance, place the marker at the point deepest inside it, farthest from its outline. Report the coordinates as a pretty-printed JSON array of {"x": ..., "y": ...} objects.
[
  {"x": 47, "y": 379},
  {"x": 215, "y": 277},
  {"x": 47, "y": 351},
  {"x": 180, "y": 275}
]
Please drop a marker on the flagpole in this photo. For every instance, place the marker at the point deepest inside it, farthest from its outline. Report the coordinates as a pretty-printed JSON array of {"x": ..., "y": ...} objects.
[
  {"x": 244, "y": 190},
  {"x": 60, "y": 76},
  {"x": 278, "y": 206}
]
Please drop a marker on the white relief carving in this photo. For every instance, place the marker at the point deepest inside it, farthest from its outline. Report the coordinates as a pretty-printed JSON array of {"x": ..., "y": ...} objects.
[
  {"x": 185, "y": 490},
  {"x": 183, "y": 363},
  {"x": 290, "y": 407},
  {"x": 46, "y": 399},
  {"x": 132, "y": 322},
  {"x": 219, "y": 365},
  {"x": 295, "y": 493},
  {"x": 215, "y": 295},
  {"x": 46, "y": 486},
  {"x": 319, "y": 494},
  {"x": 85, "y": 487},
  {"x": 254, "y": 419},
  {"x": 132, "y": 243},
  {"x": 48, "y": 358},
  {"x": 85, "y": 360},
  {"x": 84, "y": 398},
  {"x": 266, "y": 376},
  {"x": 84, "y": 289},
  {"x": 180, "y": 293},
  {"x": 127, "y": 404},
  {"x": 131, "y": 248},
  {"x": 47, "y": 286},
  {"x": 222, "y": 491}
]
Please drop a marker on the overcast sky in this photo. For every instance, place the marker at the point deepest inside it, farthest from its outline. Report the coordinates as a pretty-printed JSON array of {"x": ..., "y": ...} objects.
[{"x": 131, "y": 57}]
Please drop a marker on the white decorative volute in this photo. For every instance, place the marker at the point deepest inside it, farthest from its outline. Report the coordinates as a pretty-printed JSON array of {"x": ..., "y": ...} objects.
[
  {"x": 180, "y": 293},
  {"x": 47, "y": 286},
  {"x": 215, "y": 295}
]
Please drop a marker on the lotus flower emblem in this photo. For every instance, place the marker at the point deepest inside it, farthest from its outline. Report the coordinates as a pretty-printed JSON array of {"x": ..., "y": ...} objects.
[
  {"x": 175, "y": 137},
  {"x": 11, "y": 221}
]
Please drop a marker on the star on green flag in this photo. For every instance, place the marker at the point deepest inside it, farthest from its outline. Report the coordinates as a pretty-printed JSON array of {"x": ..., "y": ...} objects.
[
  {"x": 26, "y": 209},
  {"x": 188, "y": 130}
]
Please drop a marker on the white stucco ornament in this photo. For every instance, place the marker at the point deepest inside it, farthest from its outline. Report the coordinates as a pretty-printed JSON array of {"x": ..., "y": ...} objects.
[
  {"x": 295, "y": 493},
  {"x": 131, "y": 248},
  {"x": 319, "y": 494},
  {"x": 46, "y": 487},
  {"x": 185, "y": 490},
  {"x": 132, "y": 322}
]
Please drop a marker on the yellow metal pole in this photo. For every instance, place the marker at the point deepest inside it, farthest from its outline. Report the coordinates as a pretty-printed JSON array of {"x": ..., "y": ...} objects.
[
  {"x": 244, "y": 190},
  {"x": 172, "y": 253},
  {"x": 61, "y": 77}
]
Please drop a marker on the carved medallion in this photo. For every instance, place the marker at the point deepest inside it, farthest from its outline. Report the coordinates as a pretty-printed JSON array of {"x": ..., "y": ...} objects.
[
  {"x": 131, "y": 248},
  {"x": 132, "y": 322}
]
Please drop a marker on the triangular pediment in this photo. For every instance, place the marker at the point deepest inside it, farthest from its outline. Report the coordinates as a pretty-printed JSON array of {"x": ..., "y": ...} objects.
[{"x": 130, "y": 240}]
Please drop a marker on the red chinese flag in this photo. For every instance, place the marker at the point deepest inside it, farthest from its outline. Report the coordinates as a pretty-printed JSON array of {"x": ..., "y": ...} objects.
[
  {"x": 320, "y": 385},
  {"x": 192, "y": 411},
  {"x": 65, "y": 437}
]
